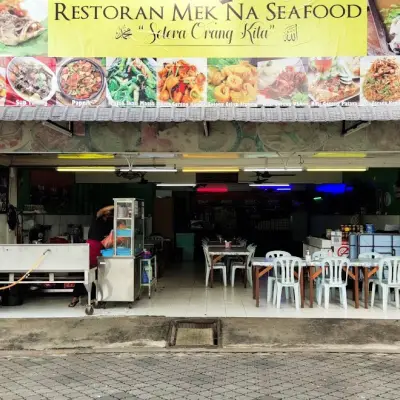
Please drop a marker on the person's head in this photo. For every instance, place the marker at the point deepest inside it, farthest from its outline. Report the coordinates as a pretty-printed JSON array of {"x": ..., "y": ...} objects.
[{"x": 108, "y": 215}]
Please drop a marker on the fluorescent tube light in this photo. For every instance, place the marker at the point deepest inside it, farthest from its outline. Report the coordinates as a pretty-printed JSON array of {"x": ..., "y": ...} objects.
[
  {"x": 210, "y": 169},
  {"x": 273, "y": 169},
  {"x": 176, "y": 184},
  {"x": 336, "y": 169},
  {"x": 211, "y": 155},
  {"x": 156, "y": 155},
  {"x": 148, "y": 169},
  {"x": 277, "y": 185},
  {"x": 86, "y": 169},
  {"x": 339, "y": 155},
  {"x": 85, "y": 156}
]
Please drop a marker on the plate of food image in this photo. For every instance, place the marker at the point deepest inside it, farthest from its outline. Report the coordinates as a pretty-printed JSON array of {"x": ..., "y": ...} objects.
[
  {"x": 380, "y": 80},
  {"x": 181, "y": 81},
  {"x": 31, "y": 80},
  {"x": 81, "y": 79},
  {"x": 332, "y": 80},
  {"x": 23, "y": 27},
  {"x": 282, "y": 81}
]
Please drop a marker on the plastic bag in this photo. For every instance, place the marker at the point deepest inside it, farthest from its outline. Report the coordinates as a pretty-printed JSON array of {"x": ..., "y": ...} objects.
[{"x": 108, "y": 241}]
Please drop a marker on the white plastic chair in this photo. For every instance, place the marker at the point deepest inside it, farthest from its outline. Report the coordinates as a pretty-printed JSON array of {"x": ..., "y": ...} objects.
[
  {"x": 285, "y": 268},
  {"x": 271, "y": 279},
  {"x": 392, "y": 264},
  {"x": 219, "y": 265},
  {"x": 369, "y": 256},
  {"x": 244, "y": 265},
  {"x": 318, "y": 256},
  {"x": 332, "y": 269}
]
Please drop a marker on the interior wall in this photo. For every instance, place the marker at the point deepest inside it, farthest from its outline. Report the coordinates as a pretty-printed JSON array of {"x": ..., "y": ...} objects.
[
  {"x": 383, "y": 179},
  {"x": 302, "y": 177}
]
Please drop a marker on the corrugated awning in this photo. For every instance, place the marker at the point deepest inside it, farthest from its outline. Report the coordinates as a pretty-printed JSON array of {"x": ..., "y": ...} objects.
[{"x": 252, "y": 114}]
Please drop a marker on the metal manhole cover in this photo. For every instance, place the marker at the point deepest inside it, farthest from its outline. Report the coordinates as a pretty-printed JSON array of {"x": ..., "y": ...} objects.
[{"x": 195, "y": 333}]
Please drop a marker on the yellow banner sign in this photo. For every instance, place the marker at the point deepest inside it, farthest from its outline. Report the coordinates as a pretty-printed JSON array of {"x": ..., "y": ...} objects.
[{"x": 207, "y": 28}]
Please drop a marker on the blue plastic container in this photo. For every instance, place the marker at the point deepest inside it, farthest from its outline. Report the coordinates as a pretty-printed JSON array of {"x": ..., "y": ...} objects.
[
  {"x": 124, "y": 232},
  {"x": 145, "y": 278}
]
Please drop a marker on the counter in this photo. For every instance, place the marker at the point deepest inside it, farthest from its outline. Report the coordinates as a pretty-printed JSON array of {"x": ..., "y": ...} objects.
[
  {"x": 118, "y": 279},
  {"x": 314, "y": 244},
  {"x": 47, "y": 263}
]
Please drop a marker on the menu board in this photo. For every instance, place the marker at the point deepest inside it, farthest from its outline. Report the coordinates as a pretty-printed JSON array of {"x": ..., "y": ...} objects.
[{"x": 125, "y": 54}]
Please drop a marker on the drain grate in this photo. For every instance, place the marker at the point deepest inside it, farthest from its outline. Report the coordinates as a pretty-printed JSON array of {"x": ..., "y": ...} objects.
[{"x": 195, "y": 333}]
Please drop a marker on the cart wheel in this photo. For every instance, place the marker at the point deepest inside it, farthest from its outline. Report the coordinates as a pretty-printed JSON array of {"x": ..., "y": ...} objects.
[
  {"x": 130, "y": 305},
  {"x": 89, "y": 310}
]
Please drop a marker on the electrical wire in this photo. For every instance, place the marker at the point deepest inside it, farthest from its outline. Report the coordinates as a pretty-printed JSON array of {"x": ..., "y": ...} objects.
[{"x": 26, "y": 275}]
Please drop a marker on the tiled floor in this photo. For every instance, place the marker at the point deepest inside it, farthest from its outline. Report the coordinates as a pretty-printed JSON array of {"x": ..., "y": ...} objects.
[
  {"x": 182, "y": 293},
  {"x": 293, "y": 376}
]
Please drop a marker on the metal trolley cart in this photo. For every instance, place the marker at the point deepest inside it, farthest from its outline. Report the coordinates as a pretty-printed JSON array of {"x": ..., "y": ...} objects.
[
  {"x": 119, "y": 272},
  {"x": 149, "y": 270}
]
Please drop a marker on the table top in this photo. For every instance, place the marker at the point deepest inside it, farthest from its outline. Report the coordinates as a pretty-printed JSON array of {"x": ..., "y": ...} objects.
[
  {"x": 355, "y": 262},
  {"x": 221, "y": 250},
  {"x": 218, "y": 244}
]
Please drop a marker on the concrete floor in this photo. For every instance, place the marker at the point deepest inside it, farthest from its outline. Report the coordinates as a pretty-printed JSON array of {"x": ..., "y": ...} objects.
[{"x": 242, "y": 334}]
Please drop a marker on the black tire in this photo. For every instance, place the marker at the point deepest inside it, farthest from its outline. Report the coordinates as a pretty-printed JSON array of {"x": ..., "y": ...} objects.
[{"x": 89, "y": 310}]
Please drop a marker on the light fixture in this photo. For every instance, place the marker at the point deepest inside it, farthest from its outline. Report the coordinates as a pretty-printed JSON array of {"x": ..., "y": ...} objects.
[
  {"x": 270, "y": 185},
  {"x": 317, "y": 198},
  {"x": 260, "y": 155},
  {"x": 148, "y": 169},
  {"x": 210, "y": 169},
  {"x": 339, "y": 155},
  {"x": 212, "y": 189},
  {"x": 211, "y": 156},
  {"x": 336, "y": 169},
  {"x": 156, "y": 155},
  {"x": 284, "y": 189},
  {"x": 176, "y": 184},
  {"x": 85, "y": 156},
  {"x": 273, "y": 169},
  {"x": 86, "y": 169}
]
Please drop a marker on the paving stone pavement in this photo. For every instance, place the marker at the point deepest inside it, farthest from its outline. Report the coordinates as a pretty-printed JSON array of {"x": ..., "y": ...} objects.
[{"x": 201, "y": 376}]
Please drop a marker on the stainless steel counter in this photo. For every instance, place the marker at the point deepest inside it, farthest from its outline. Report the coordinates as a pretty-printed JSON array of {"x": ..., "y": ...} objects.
[{"x": 118, "y": 279}]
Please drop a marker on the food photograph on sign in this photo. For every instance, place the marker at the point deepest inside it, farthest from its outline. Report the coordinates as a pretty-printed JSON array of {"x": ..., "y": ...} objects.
[
  {"x": 282, "y": 81},
  {"x": 3, "y": 86},
  {"x": 231, "y": 80},
  {"x": 182, "y": 81},
  {"x": 383, "y": 27},
  {"x": 131, "y": 81},
  {"x": 23, "y": 27},
  {"x": 31, "y": 81},
  {"x": 334, "y": 80},
  {"x": 380, "y": 78},
  {"x": 81, "y": 82}
]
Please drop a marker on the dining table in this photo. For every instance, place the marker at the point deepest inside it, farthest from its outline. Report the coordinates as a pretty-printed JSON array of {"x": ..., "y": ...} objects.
[
  {"x": 219, "y": 244},
  {"x": 261, "y": 266},
  {"x": 219, "y": 252}
]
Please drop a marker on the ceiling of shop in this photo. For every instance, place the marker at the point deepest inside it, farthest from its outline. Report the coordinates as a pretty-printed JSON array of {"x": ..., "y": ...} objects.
[{"x": 304, "y": 160}]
